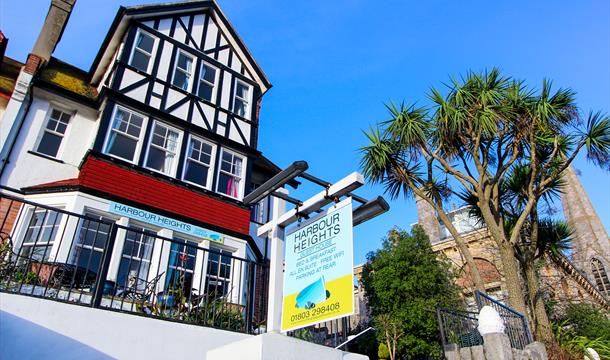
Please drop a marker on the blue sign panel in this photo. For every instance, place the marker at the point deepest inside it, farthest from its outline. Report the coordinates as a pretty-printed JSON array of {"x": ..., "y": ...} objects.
[{"x": 164, "y": 222}]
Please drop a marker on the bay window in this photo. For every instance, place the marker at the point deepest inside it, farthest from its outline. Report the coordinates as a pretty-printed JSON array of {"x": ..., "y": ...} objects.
[
  {"x": 198, "y": 162},
  {"x": 230, "y": 174},
  {"x": 162, "y": 154},
  {"x": 124, "y": 137}
]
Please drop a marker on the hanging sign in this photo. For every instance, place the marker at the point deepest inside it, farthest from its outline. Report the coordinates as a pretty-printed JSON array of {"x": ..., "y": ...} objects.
[
  {"x": 163, "y": 221},
  {"x": 318, "y": 274}
]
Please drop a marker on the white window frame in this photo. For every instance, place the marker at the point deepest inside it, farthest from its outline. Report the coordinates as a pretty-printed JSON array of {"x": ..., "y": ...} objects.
[
  {"x": 151, "y": 60},
  {"x": 172, "y": 171},
  {"x": 52, "y": 242},
  {"x": 44, "y": 129},
  {"x": 138, "y": 149},
  {"x": 243, "y": 172},
  {"x": 211, "y": 171},
  {"x": 214, "y": 90},
  {"x": 248, "y": 101},
  {"x": 176, "y": 68}
]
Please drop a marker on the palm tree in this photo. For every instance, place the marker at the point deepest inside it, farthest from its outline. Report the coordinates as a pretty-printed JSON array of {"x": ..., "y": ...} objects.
[
  {"x": 485, "y": 127},
  {"x": 540, "y": 236}
]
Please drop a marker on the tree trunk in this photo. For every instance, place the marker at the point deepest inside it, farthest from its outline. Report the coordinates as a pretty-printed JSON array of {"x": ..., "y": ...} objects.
[
  {"x": 516, "y": 298},
  {"x": 541, "y": 324}
]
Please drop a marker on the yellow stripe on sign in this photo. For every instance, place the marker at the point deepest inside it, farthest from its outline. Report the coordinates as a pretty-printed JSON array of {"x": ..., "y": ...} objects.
[{"x": 339, "y": 303}]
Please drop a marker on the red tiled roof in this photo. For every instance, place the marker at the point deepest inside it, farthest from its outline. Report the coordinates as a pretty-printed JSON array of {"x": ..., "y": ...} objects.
[{"x": 55, "y": 184}]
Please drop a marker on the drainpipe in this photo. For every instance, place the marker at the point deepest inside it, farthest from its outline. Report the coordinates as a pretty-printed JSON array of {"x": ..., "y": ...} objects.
[{"x": 19, "y": 104}]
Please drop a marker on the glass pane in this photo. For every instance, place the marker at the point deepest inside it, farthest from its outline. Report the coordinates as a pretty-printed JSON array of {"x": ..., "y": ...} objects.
[
  {"x": 241, "y": 90},
  {"x": 49, "y": 144},
  {"x": 65, "y": 118},
  {"x": 205, "y": 91},
  {"x": 172, "y": 140},
  {"x": 181, "y": 80},
  {"x": 56, "y": 114},
  {"x": 156, "y": 159},
  {"x": 184, "y": 62},
  {"x": 240, "y": 108},
  {"x": 145, "y": 42},
  {"x": 52, "y": 124},
  {"x": 139, "y": 60},
  {"x": 196, "y": 173},
  {"x": 88, "y": 259},
  {"x": 237, "y": 166},
  {"x": 208, "y": 73},
  {"x": 121, "y": 146},
  {"x": 61, "y": 128},
  {"x": 228, "y": 185}
]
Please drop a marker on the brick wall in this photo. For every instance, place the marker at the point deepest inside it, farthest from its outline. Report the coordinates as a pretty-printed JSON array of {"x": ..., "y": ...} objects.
[{"x": 9, "y": 209}]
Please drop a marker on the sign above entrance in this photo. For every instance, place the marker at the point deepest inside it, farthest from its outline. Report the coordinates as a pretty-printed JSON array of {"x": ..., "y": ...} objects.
[
  {"x": 163, "y": 221},
  {"x": 318, "y": 276}
]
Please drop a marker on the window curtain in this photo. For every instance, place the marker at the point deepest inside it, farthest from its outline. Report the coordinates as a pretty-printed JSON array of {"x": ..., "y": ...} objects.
[{"x": 172, "y": 141}]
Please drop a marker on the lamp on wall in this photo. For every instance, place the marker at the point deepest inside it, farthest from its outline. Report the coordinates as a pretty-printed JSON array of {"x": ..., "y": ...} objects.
[{"x": 276, "y": 182}]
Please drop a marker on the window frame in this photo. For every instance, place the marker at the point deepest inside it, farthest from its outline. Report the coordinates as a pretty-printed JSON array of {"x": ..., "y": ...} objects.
[
  {"x": 44, "y": 129},
  {"x": 49, "y": 243},
  {"x": 138, "y": 149},
  {"x": 135, "y": 48},
  {"x": 211, "y": 171},
  {"x": 177, "y": 68},
  {"x": 240, "y": 195},
  {"x": 214, "y": 85},
  {"x": 221, "y": 252},
  {"x": 174, "y": 166},
  {"x": 248, "y": 101}
]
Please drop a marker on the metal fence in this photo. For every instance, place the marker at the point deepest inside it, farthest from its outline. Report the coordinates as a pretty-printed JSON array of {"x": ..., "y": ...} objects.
[
  {"x": 515, "y": 323},
  {"x": 460, "y": 327},
  {"x": 92, "y": 261}
]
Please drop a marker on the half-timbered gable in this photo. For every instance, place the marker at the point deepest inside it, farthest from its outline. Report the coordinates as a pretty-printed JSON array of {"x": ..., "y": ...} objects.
[{"x": 188, "y": 63}]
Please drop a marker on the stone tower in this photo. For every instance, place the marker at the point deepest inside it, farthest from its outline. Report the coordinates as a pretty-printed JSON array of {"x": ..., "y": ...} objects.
[
  {"x": 591, "y": 245},
  {"x": 427, "y": 219}
]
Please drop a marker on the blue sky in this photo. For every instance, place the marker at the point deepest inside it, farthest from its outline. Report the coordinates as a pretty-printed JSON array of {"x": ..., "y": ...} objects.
[{"x": 333, "y": 64}]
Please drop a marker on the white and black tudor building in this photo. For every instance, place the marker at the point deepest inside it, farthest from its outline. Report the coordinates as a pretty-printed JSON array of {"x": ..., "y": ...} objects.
[{"x": 160, "y": 135}]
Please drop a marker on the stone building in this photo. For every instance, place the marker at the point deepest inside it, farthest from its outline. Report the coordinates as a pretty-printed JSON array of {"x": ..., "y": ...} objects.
[{"x": 580, "y": 278}]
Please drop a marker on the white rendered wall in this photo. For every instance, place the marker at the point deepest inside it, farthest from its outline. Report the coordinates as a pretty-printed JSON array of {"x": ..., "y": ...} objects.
[
  {"x": 78, "y": 138},
  {"x": 32, "y": 328}
]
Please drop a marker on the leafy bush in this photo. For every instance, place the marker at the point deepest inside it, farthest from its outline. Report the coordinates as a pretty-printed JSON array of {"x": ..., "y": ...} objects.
[
  {"x": 383, "y": 352},
  {"x": 587, "y": 321},
  {"x": 576, "y": 345}
]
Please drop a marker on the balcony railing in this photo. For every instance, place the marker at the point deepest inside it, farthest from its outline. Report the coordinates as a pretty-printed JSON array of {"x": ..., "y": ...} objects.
[{"x": 92, "y": 261}]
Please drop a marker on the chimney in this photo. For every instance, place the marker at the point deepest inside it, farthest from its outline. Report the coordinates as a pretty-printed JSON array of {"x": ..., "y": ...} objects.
[{"x": 53, "y": 28}]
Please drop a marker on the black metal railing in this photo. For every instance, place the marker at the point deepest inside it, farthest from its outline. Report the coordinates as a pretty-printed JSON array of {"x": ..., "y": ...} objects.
[
  {"x": 91, "y": 260},
  {"x": 459, "y": 327},
  {"x": 515, "y": 323}
]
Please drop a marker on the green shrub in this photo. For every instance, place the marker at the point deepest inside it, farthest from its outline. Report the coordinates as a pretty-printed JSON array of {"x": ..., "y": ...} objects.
[
  {"x": 587, "y": 321},
  {"x": 383, "y": 352}
]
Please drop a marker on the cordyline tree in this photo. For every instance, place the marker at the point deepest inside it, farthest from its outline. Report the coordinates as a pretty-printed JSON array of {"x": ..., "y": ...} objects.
[
  {"x": 470, "y": 139},
  {"x": 541, "y": 236}
]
